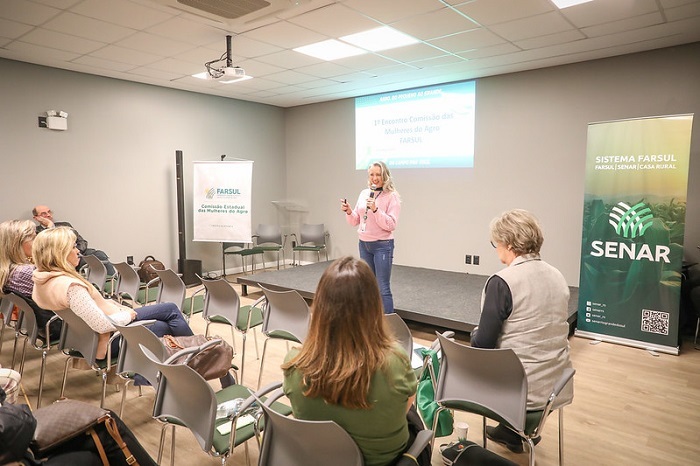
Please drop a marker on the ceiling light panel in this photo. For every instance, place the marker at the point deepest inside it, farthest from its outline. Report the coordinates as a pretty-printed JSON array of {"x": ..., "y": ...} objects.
[
  {"x": 381, "y": 38},
  {"x": 330, "y": 50}
]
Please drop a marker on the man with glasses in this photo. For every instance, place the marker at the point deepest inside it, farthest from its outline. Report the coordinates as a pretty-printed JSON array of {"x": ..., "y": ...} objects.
[{"x": 44, "y": 215}]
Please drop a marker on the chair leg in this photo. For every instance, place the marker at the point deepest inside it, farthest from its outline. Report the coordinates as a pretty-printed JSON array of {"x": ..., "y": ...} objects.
[
  {"x": 161, "y": 444},
  {"x": 104, "y": 388},
  {"x": 41, "y": 379},
  {"x": 65, "y": 377},
  {"x": 435, "y": 424},
  {"x": 561, "y": 436},
  {"x": 531, "y": 446},
  {"x": 24, "y": 355},
  {"x": 697, "y": 327},
  {"x": 121, "y": 406},
  {"x": 243, "y": 357},
  {"x": 172, "y": 446},
  {"x": 262, "y": 362}
]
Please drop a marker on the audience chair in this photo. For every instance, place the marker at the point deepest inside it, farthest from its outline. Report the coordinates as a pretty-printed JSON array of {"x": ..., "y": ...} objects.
[
  {"x": 294, "y": 442},
  {"x": 129, "y": 285},
  {"x": 311, "y": 238},
  {"x": 286, "y": 317},
  {"x": 492, "y": 383},
  {"x": 184, "y": 398},
  {"x": 37, "y": 337},
  {"x": 222, "y": 305},
  {"x": 269, "y": 239},
  {"x": 6, "y": 308},
  {"x": 132, "y": 361},
  {"x": 241, "y": 250},
  {"x": 171, "y": 288},
  {"x": 401, "y": 332},
  {"x": 96, "y": 273},
  {"x": 79, "y": 341}
]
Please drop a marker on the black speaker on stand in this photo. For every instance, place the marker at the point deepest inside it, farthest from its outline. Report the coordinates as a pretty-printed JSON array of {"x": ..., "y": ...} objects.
[{"x": 189, "y": 268}]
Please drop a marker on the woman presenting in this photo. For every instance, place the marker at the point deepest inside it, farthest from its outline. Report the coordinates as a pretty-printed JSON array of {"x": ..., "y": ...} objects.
[{"x": 376, "y": 214}]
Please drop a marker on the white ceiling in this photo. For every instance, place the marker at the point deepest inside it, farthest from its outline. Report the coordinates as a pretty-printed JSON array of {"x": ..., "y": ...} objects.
[{"x": 161, "y": 43}]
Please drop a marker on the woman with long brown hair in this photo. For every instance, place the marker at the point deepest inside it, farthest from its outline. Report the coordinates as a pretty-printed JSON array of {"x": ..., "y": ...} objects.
[{"x": 349, "y": 369}]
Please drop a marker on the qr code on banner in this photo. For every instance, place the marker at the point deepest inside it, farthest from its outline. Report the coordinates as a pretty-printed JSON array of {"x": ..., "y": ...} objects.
[{"x": 655, "y": 321}]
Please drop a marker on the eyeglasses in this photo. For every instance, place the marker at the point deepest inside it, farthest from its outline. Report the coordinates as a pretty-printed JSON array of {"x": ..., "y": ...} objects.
[
  {"x": 492, "y": 245},
  {"x": 48, "y": 213}
]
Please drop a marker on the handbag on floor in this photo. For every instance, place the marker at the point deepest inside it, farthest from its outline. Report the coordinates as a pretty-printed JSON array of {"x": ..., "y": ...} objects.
[
  {"x": 425, "y": 397},
  {"x": 212, "y": 363},
  {"x": 65, "y": 420}
]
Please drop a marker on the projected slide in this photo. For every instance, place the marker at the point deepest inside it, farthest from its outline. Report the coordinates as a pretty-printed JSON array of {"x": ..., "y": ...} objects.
[{"x": 417, "y": 128}]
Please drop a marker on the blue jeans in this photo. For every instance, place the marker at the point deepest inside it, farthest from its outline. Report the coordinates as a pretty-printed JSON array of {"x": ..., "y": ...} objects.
[
  {"x": 168, "y": 321},
  {"x": 380, "y": 255}
]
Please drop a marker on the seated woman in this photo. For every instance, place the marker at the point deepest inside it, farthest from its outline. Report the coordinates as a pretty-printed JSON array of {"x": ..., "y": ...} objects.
[
  {"x": 349, "y": 369},
  {"x": 16, "y": 268},
  {"x": 525, "y": 308},
  {"x": 58, "y": 286}
]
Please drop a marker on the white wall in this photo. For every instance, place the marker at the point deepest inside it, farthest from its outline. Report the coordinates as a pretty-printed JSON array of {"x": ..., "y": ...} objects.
[
  {"x": 530, "y": 153},
  {"x": 112, "y": 174}
]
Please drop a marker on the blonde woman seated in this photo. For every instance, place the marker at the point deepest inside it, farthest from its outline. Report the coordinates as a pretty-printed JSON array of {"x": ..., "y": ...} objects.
[
  {"x": 349, "y": 369},
  {"x": 58, "y": 286}
]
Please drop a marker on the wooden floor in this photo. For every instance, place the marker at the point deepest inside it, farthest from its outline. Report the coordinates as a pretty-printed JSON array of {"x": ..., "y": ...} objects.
[{"x": 630, "y": 407}]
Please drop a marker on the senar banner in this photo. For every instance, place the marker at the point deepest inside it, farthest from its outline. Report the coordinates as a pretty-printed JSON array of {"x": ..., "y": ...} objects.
[
  {"x": 633, "y": 225},
  {"x": 222, "y": 201}
]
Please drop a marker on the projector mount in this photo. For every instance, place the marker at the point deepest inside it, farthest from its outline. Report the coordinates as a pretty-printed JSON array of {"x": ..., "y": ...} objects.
[{"x": 226, "y": 71}]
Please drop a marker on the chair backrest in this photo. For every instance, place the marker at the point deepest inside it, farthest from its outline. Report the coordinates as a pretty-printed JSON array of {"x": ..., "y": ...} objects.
[
  {"x": 313, "y": 233},
  {"x": 77, "y": 335},
  {"x": 401, "y": 332},
  {"x": 295, "y": 442},
  {"x": 221, "y": 299},
  {"x": 184, "y": 395},
  {"x": 96, "y": 271},
  {"x": 171, "y": 288},
  {"x": 492, "y": 378},
  {"x": 128, "y": 281},
  {"x": 132, "y": 358},
  {"x": 286, "y": 311},
  {"x": 269, "y": 234},
  {"x": 27, "y": 321}
]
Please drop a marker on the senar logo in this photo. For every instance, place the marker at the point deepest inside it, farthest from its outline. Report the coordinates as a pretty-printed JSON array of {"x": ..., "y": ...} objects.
[{"x": 630, "y": 222}]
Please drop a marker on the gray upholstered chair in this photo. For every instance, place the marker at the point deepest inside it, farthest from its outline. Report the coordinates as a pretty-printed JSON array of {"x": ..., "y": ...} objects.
[
  {"x": 286, "y": 317},
  {"x": 492, "y": 383}
]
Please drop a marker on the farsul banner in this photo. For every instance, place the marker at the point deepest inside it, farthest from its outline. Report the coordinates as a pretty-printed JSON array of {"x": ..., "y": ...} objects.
[{"x": 633, "y": 227}]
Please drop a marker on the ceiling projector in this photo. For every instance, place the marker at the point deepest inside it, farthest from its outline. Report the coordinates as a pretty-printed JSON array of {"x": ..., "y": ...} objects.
[{"x": 232, "y": 72}]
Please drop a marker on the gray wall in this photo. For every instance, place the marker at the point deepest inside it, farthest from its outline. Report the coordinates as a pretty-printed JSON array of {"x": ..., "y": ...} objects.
[
  {"x": 112, "y": 174},
  {"x": 530, "y": 153}
]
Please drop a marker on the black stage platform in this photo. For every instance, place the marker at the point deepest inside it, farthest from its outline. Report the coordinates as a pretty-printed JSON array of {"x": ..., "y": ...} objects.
[{"x": 445, "y": 299}]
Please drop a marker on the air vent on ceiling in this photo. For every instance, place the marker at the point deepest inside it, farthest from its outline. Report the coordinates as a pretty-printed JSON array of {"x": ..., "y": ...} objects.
[
  {"x": 227, "y": 9},
  {"x": 239, "y": 12}
]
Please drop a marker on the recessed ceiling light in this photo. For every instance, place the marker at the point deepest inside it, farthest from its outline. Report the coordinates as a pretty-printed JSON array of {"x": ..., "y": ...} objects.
[
  {"x": 567, "y": 3},
  {"x": 381, "y": 38},
  {"x": 330, "y": 50}
]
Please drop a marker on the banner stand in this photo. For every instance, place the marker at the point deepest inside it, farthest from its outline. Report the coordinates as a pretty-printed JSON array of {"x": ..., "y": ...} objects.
[{"x": 627, "y": 342}]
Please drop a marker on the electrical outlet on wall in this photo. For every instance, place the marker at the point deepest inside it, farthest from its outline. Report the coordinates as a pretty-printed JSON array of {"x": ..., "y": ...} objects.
[
  {"x": 476, "y": 260},
  {"x": 467, "y": 259}
]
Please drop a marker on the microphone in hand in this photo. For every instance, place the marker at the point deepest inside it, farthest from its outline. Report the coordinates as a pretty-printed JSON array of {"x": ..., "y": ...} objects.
[{"x": 373, "y": 187}]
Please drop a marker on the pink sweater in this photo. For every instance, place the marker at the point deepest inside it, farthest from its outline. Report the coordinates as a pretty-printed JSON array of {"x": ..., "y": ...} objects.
[{"x": 380, "y": 225}]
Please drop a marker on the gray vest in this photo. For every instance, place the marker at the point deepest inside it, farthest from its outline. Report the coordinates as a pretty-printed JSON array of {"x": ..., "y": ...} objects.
[{"x": 537, "y": 329}]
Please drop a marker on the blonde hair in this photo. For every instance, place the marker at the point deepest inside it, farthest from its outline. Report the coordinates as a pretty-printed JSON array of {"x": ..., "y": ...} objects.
[
  {"x": 347, "y": 341},
  {"x": 50, "y": 251},
  {"x": 519, "y": 230},
  {"x": 13, "y": 234},
  {"x": 387, "y": 180}
]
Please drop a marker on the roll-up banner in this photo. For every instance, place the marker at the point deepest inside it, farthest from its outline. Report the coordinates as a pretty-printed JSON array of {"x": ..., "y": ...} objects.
[
  {"x": 633, "y": 226},
  {"x": 222, "y": 201}
]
